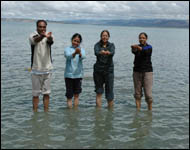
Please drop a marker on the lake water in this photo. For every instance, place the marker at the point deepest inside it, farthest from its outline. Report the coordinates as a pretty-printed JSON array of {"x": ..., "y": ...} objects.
[{"x": 166, "y": 126}]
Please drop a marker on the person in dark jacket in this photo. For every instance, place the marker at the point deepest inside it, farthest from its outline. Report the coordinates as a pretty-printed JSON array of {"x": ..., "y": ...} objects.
[
  {"x": 104, "y": 69},
  {"x": 143, "y": 71}
]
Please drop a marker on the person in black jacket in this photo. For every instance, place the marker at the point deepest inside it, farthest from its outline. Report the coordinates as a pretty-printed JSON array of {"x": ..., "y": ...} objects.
[
  {"x": 143, "y": 71},
  {"x": 104, "y": 69}
]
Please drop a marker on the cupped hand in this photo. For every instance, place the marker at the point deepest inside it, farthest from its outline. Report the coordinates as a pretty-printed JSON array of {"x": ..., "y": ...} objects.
[{"x": 77, "y": 50}]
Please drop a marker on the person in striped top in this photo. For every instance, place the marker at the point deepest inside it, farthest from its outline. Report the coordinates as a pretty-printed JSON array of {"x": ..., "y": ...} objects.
[{"x": 41, "y": 63}]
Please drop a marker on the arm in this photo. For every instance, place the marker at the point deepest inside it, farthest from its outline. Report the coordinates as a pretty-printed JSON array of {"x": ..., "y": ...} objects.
[
  {"x": 77, "y": 51},
  {"x": 82, "y": 54},
  {"x": 147, "y": 50},
  {"x": 97, "y": 51},
  {"x": 34, "y": 39},
  {"x": 110, "y": 52},
  {"x": 134, "y": 49},
  {"x": 49, "y": 38},
  {"x": 68, "y": 54},
  {"x": 38, "y": 38}
]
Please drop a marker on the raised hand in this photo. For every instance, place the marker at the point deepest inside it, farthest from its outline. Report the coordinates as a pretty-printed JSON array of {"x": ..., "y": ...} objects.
[
  {"x": 77, "y": 50},
  {"x": 136, "y": 47},
  {"x": 48, "y": 35},
  {"x": 105, "y": 52},
  {"x": 43, "y": 34}
]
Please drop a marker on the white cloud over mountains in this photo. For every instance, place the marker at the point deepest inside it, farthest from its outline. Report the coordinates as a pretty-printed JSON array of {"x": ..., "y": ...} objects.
[{"x": 66, "y": 10}]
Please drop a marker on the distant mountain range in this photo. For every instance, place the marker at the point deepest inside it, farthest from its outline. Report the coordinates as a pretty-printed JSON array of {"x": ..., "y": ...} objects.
[
  {"x": 136, "y": 22},
  {"x": 132, "y": 22}
]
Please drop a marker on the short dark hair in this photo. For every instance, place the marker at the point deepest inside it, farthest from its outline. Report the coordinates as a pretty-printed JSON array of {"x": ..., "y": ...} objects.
[
  {"x": 106, "y": 32},
  {"x": 144, "y": 34},
  {"x": 77, "y": 35},
  {"x": 38, "y": 21}
]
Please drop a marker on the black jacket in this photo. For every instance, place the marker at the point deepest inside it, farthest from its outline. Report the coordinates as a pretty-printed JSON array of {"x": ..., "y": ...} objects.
[
  {"x": 104, "y": 63},
  {"x": 142, "y": 62}
]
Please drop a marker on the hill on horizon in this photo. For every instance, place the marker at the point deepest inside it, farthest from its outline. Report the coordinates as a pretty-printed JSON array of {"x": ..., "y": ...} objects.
[{"x": 119, "y": 22}]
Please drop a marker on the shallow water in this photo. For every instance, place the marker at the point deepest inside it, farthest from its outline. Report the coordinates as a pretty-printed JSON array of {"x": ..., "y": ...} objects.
[{"x": 166, "y": 126}]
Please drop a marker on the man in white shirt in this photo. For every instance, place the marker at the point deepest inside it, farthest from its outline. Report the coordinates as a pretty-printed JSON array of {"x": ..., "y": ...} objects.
[{"x": 41, "y": 64}]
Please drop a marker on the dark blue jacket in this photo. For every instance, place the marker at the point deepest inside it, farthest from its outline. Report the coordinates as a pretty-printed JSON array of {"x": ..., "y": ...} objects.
[{"x": 104, "y": 63}]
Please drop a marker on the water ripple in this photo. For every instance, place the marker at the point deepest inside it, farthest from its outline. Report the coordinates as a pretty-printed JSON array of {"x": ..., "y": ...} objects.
[{"x": 166, "y": 126}]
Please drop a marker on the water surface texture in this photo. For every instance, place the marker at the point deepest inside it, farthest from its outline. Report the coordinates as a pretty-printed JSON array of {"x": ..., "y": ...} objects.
[{"x": 166, "y": 126}]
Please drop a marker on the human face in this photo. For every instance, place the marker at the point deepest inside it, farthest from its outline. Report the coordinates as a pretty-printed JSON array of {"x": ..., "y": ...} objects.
[
  {"x": 41, "y": 28},
  {"x": 76, "y": 42},
  {"x": 142, "y": 39},
  {"x": 105, "y": 37}
]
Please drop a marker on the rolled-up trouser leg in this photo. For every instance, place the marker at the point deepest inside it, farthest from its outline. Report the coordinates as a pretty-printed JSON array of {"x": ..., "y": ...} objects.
[
  {"x": 148, "y": 82},
  {"x": 98, "y": 81},
  {"x": 109, "y": 83},
  {"x": 137, "y": 80}
]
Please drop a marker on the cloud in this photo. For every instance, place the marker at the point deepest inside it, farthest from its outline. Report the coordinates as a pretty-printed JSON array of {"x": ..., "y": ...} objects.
[{"x": 65, "y": 10}]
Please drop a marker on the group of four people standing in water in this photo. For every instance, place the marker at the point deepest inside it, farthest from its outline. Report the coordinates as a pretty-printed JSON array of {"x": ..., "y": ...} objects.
[{"x": 41, "y": 65}]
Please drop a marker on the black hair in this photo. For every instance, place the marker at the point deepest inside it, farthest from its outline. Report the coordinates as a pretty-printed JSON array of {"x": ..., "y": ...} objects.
[
  {"x": 38, "y": 21},
  {"x": 77, "y": 35},
  {"x": 103, "y": 32},
  {"x": 144, "y": 35}
]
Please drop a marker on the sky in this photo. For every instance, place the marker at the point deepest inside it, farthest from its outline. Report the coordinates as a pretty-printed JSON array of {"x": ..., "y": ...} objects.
[{"x": 111, "y": 10}]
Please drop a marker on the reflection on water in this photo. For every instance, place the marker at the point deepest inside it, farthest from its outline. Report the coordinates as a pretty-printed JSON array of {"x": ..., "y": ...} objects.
[
  {"x": 71, "y": 123},
  {"x": 103, "y": 128},
  {"x": 40, "y": 130},
  {"x": 141, "y": 125},
  {"x": 98, "y": 129}
]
